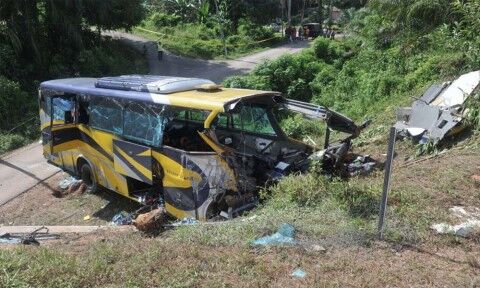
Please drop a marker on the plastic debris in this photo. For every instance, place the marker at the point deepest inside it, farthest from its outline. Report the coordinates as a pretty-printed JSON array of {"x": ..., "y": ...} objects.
[
  {"x": 438, "y": 111},
  {"x": 299, "y": 273},
  {"x": 318, "y": 248},
  {"x": 87, "y": 218},
  {"x": 470, "y": 224},
  {"x": 32, "y": 238},
  {"x": 122, "y": 218},
  {"x": 284, "y": 236},
  {"x": 185, "y": 221},
  {"x": 67, "y": 182},
  {"x": 70, "y": 185},
  {"x": 362, "y": 165}
]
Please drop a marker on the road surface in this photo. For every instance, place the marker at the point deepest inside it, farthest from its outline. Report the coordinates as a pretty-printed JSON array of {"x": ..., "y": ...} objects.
[
  {"x": 215, "y": 70},
  {"x": 24, "y": 168}
]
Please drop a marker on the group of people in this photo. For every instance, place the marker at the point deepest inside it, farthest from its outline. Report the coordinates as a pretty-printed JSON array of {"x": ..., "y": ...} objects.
[
  {"x": 293, "y": 34},
  {"x": 304, "y": 33},
  {"x": 329, "y": 33}
]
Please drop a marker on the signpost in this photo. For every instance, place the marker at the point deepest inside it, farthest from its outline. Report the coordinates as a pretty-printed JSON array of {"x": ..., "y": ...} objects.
[{"x": 386, "y": 181}]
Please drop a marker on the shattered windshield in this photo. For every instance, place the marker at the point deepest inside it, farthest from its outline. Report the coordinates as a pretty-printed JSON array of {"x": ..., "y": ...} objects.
[{"x": 252, "y": 118}]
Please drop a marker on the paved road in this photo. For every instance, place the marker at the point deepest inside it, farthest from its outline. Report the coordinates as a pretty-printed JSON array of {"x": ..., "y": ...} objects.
[
  {"x": 21, "y": 170},
  {"x": 24, "y": 168},
  {"x": 215, "y": 70}
]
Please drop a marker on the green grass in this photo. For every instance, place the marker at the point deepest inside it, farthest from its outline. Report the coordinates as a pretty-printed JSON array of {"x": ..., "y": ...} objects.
[{"x": 198, "y": 41}]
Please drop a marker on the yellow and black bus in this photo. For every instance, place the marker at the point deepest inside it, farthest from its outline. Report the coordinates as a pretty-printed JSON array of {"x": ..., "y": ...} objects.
[{"x": 186, "y": 143}]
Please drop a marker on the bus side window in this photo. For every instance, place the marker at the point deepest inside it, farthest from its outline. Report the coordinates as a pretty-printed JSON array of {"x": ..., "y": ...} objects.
[
  {"x": 63, "y": 110},
  {"x": 144, "y": 123},
  {"x": 106, "y": 114}
]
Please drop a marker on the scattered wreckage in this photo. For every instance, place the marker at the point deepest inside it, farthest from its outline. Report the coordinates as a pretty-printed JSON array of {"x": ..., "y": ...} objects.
[
  {"x": 439, "y": 112},
  {"x": 189, "y": 145}
]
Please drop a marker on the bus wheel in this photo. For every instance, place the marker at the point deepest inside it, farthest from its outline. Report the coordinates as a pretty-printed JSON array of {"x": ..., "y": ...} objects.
[{"x": 87, "y": 176}]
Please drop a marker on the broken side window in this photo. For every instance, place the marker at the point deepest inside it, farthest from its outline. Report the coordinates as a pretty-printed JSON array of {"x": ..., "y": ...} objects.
[
  {"x": 222, "y": 120},
  {"x": 144, "y": 123},
  {"x": 63, "y": 109},
  {"x": 106, "y": 114}
]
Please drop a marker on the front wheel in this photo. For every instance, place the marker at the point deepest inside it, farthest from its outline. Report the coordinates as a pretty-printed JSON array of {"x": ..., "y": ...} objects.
[{"x": 87, "y": 176}]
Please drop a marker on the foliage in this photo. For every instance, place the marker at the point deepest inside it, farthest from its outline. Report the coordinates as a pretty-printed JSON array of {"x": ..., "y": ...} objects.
[
  {"x": 53, "y": 39},
  {"x": 298, "y": 128},
  {"x": 13, "y": 103},
  {"x": 205, "y": 40}
]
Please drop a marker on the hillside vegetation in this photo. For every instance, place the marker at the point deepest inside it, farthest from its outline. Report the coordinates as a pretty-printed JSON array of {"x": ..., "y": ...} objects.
[
  {"x": 211, "y": 29},
  {"x": 41, "y": 40},
  {"x": 392, "y": 52}
]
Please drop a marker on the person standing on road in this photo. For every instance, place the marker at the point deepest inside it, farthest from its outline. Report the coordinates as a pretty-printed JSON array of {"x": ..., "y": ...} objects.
[
  {"x": 287, "y": 33},
  {"x": 300, "y": 33}
]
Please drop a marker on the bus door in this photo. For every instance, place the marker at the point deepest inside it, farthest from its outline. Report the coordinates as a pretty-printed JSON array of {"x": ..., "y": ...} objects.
[{"x": 63, "y": 130}]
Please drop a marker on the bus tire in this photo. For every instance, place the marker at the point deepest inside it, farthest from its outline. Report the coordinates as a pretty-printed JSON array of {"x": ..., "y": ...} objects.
[{"x": 87, "y": 176}]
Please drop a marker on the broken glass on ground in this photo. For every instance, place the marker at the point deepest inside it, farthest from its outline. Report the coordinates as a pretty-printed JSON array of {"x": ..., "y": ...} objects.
[
  {"x": 284, "y": 236},
  {"x": 438, "y": 111}
]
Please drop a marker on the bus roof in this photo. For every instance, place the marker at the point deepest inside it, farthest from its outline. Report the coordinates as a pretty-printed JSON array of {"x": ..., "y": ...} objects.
[{"x": 175, "y": 91}]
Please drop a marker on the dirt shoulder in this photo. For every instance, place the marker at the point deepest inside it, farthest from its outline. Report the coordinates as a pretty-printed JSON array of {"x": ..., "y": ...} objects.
[{"x": 220, "y": 255}]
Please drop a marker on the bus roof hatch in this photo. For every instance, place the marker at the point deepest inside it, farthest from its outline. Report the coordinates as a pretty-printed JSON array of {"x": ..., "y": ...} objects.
[{"x": 150, "y": 83}]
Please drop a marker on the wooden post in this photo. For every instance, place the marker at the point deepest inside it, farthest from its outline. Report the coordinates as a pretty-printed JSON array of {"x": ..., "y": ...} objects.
[{"x": 386, "y": 181}]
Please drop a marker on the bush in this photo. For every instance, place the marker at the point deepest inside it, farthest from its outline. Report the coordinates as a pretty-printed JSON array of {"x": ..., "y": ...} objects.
[
  {"x": 159, "y": 20},
  {"x": 298, "y": 127},
  {"x": 11, "y": 141},
  {"x": 254, "y": 31},
  {"x": 303, "y": 190},
  {"x": 250, "y": 82},
  {"x": 15, "y": 104}
]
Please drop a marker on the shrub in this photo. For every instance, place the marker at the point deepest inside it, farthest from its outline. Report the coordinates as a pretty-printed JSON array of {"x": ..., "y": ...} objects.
[
  {"x": 303, "y": 190},
  {"x": 159, "y": 20},
  {"x": 11, "y": 141},
  {"x": 249, "y": 82},
  {"x": 298, "y": 127},
  {"x": 254, "y": 31},
  {"x": 15, "y": 103}
]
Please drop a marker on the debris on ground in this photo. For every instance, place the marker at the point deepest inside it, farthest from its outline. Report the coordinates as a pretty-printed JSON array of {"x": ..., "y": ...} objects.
[
  {"x": 151, "y": 221},
  {"x": 87, "y": 218},
  {"x": 362, "y": 165},
  {"x": 476, "y": 180},
  {"x": 439, "y": 111},
  {"x": 59, "y": 229},
  {"x": 318, "y": 248},
  {"x": 31, "y": 238},
  {"x": 184, "y": 221},
  {"x": 70, "y": 186},
  {"x": 284, "y": 236},
  {"x": 470, "y": 217},
  {"x": 122, "y": 218},
  {"x": 299, "y": 273}
]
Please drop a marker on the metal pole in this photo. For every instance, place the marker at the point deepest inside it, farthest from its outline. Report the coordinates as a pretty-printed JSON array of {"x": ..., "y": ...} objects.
[
  {"x": 386, "y": 181},
  {"x": 327, "y": 138}
]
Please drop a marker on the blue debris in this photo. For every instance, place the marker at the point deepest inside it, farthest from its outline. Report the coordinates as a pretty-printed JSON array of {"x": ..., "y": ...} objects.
[
  {"x": 122, "y": 218},
  {"x": 65, "y": 183},
  {"x": 299, "y": 273},
  {"x": 185, "y": 221},
  {"x": 284, "y": 236}
]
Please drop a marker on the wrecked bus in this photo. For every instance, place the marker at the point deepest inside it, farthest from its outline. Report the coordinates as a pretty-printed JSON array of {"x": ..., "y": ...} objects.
[{"x": 197, "y": 148}]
